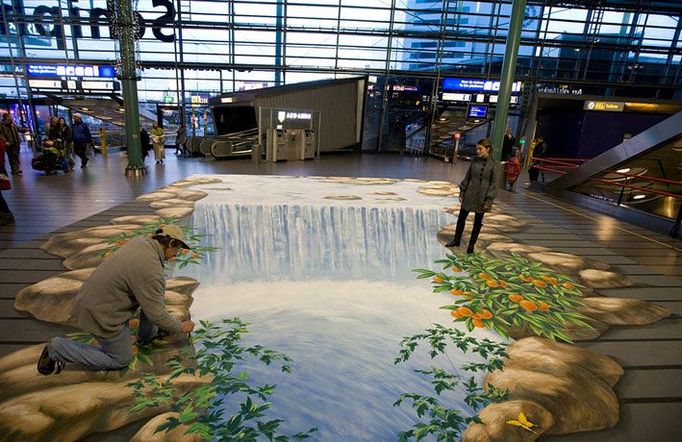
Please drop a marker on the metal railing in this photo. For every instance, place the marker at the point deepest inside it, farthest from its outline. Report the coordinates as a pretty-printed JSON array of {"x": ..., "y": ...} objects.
[{"x": 622, "y": 180}]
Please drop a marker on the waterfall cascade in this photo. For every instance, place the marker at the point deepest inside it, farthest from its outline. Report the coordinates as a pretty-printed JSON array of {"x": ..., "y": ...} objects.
[{"x": 296, "y": 242}]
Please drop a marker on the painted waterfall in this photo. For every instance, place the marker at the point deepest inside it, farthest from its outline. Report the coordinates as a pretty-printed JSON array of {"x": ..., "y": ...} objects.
[{"x": 322, "y": 269}]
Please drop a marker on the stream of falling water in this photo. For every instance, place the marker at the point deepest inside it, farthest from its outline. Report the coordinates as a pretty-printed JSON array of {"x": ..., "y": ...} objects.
[{"x": 331, "y": 285}]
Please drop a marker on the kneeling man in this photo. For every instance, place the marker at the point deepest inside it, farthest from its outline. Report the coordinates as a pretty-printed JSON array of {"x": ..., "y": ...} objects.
[{"x": 131, "y": 278}]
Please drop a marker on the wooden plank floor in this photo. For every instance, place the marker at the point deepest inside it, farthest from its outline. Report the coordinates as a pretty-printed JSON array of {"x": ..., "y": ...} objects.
[{"x": 650, "y": 391}]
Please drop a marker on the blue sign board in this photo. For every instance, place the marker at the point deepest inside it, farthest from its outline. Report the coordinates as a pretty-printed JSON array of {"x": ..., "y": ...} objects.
[
  {"x": 452, "y": 84},
  {"x": 64, "y": 71},
  {"x": 477, "y": 111}
]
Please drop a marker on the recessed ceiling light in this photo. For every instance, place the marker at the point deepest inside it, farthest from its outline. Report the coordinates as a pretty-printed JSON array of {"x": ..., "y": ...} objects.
[
  {"x": 638, "y": 197},
  {"x": 85, "y": 109},
  {"x": 626, "y": 170}
]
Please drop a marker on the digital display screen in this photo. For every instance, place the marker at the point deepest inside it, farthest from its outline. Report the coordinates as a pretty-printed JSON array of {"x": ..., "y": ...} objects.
[
  {"x": 453, "y": 84},
  {"x": 477, "y": 111},
  {"x": 66, "y": 71}
]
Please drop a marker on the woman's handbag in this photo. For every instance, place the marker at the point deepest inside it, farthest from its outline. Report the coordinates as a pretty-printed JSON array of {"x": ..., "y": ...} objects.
[{"x": 5, "y": 183}]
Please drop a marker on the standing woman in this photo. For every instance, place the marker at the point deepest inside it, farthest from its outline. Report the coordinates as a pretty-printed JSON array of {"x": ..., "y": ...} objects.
[
  {"x": 6, "y": 216},
  {"x": 181, "y": 139},
  {"x": 477, "y": 192},
  {"x": 65, "y": 136},
  {"x": 158, "y": 140},
  {"x": 53, "y": 128}
]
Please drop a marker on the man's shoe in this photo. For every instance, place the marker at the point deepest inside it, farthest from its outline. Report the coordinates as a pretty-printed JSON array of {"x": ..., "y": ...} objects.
[
  {"x": 159, "y": 335},
  {"x": 47, "y": 365},
  {"x": 453, "y": 243},
  {"x": 470, "y": 250}
]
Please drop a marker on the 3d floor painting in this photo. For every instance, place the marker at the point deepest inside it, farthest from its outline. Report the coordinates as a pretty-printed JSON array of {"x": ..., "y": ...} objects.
[{"x": 330, "y": 310}]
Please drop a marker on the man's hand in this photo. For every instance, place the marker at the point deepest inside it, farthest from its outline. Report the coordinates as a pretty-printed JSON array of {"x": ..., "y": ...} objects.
[{"x": 187, "y": 326}]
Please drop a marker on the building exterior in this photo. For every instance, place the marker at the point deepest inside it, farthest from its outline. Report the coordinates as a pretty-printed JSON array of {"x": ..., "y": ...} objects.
[{"x": 189, "y": 50}]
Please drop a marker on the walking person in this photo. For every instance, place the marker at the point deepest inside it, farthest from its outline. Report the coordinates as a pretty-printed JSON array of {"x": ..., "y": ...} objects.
[
  {"x": 6, "y": 216},
  {"x": 539, "y": 149},
  {"x": 129, "y": 279},
  {"x": 512, "y": 170},
  {"x": 144, "y": 142},
  {"x": 508, "y": 143},
  {"x": 64, "y": 136},
  {"x": 158, "y": 141},
  {"x": 12, "y": 143},
  {"x": 180, "y": 139},
  {"x": 81, "y": 139},
  {"x": 477, "y": 192}
]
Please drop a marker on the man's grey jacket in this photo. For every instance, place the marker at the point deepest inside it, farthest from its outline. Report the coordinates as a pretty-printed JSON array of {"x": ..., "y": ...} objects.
[{"x": 132, "y": 277}]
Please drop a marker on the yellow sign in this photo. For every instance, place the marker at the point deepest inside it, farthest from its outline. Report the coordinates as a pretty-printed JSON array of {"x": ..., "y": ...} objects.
[{"x": 607, "y": 106}]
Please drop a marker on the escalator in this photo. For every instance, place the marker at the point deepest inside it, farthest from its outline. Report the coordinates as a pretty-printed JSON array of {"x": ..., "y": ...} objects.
[{"x": 639, "y": 181}]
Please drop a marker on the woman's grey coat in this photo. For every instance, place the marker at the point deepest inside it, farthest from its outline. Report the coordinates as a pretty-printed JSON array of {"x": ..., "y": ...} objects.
[{"x": 479, "y": 187}]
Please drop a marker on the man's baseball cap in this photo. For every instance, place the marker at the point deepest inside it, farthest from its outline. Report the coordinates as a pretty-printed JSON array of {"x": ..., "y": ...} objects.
[{"x": 175, "y": 232}]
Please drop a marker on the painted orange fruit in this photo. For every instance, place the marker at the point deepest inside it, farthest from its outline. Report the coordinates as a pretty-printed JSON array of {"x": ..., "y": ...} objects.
[
  {"x": 457, "y": 292},
  {"x": 484, "y": 276},
  {"x": 568, "y": 285},
  {"x": 485, "y": 314},
  {"x": 550, "y": 280},
  {"x": 515, "y": 298},
  {"x": 503, "y": 284},
  {"x": 540, "y": 284},
  {"x": 135, "y": 350},
  {"x": 438, "y": 279},
  {"x": 543, "y": 306},
  {"x": 478, "y": 323},
  {"x": 476, "y": 316},
  {"x": 465, "y": 311},
  {"x": 455, "y": 269},
  {"x": 528, "y": 306},
  {"x": 134, "y": 323},
  {"x": 455, "y": 314},
  {"x": 524, "y": 278},
  {"x": 492, "y": 283},
  {"x": 195, "y": 255},
  {"x": 468, "y": 294}
]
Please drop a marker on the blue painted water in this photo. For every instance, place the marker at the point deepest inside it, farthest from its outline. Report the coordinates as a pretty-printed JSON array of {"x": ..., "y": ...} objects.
[{"x": 332, "y": 287}]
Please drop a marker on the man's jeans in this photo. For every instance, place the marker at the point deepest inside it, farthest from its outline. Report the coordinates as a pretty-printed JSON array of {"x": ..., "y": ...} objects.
[{"x": 111, "y": 354}]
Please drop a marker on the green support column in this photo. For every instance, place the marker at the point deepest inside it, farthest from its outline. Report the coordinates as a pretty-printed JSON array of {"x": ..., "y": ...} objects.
[
  {"x": 507, "y": 80},
  {"x": 129, "y": 84}
]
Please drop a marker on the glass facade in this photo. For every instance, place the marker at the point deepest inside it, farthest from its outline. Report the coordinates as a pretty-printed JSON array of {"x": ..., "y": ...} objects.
[{"x": 198, "y": 48}]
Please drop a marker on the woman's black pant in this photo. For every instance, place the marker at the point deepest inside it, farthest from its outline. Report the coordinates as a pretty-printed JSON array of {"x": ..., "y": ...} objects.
[
  {"x": 461, "y": 222},
  {"x": 4, "y": 208}
]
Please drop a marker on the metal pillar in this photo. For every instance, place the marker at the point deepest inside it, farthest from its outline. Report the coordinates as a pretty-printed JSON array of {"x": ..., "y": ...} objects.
[
  {"x": 384, "y": 92},
  {"x": 445, "y": 10},
  {"x": 126, "y": 38},
  {"x": 278, "y": 43},
  {"x": 181, "y": 48},
  {"x": 506, "y": 81}
]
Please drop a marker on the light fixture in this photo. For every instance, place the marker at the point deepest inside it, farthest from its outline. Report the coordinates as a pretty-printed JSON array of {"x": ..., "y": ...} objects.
[
  {"x": 85, "y": 109},
  {"x": 639, "y": 197},
  {"x": 625, "y": 170},
  {"x": 442, "y": 119}
]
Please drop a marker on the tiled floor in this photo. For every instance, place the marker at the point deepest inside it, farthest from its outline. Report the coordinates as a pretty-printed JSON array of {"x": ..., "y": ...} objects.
[{"x": 650, "y": 392}]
